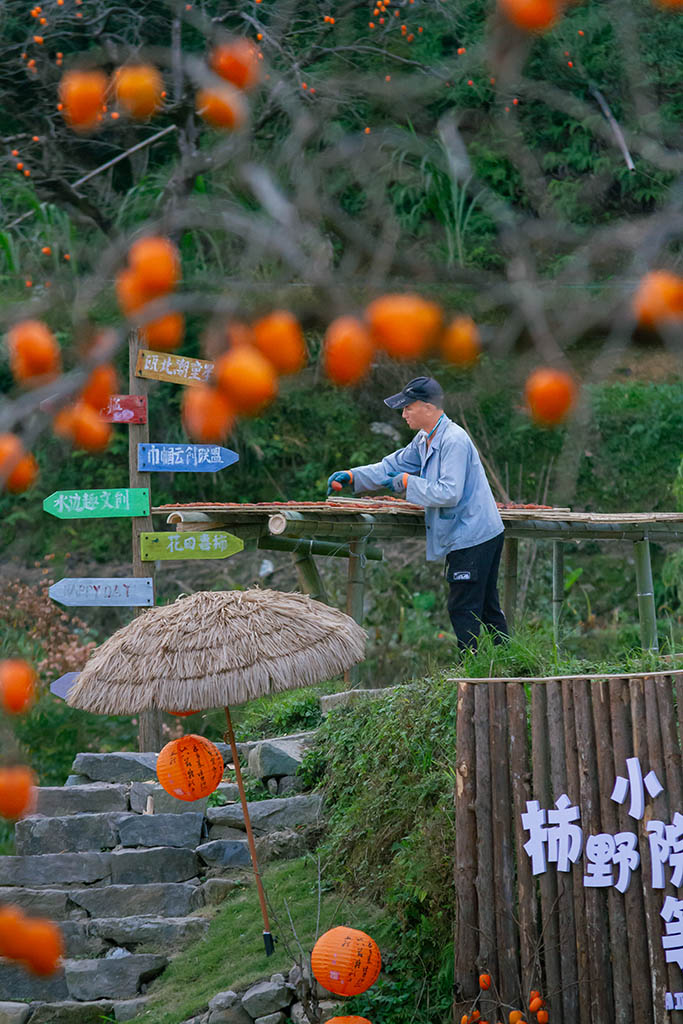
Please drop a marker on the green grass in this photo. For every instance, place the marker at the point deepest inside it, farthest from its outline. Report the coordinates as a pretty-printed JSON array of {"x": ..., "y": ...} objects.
[{"x": 232, "y": 954}]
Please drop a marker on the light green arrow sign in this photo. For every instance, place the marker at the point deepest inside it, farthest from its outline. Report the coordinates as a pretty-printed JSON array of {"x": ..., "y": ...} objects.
[
  {"x": 204, "y": 544},
  {"x": 105, "y": 504}
]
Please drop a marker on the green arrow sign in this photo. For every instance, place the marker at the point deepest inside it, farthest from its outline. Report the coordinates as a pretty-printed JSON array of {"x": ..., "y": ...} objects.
[
  {"x": 105, "y": 504},
  {"x": 204, "y": 544}
]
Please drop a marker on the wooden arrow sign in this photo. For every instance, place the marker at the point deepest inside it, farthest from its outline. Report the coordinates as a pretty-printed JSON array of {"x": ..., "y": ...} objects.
[
  {"x": 184, "y": 458},
  {"x": 129, "y": 591},
  {"x": 103, "y": 504},
  {"x": 207, "y": 544},
  {"x": 125, "y": 409},
  {"x": 175, "y": 369}
]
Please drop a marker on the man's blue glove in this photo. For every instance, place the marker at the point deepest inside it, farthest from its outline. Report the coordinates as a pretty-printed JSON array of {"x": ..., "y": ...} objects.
[{"x": 342, "y": 478}]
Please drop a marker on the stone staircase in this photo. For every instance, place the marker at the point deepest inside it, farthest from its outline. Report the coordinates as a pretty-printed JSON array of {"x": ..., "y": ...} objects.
[{"x": 129, "y": 889}]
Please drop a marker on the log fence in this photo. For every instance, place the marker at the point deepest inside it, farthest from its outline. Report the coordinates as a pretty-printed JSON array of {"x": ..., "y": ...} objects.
[{"x": 596, "y": 951}]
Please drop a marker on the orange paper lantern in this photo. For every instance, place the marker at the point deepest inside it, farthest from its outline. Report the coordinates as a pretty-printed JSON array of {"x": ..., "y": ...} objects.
[
  {"x": 346, "y": 961},
  {"x": 348, "y": 1020},
  {"x": 190, "y": 768}
]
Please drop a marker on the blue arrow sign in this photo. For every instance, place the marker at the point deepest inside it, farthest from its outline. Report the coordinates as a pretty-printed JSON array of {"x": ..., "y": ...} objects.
[
  {"x": 184, "y": 458},
  {"x": 61, "y": 686}
]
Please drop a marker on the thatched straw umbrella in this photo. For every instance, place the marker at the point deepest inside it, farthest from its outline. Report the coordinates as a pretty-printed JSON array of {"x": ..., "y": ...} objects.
[{"x": 214, "y": 649}]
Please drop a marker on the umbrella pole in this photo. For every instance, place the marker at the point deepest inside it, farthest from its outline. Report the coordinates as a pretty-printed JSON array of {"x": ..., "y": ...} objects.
[{"x": 267, "y": 937}]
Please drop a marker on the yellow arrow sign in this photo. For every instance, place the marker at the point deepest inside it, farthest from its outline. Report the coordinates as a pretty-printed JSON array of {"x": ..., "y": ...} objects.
[{"x": 175, "y": 369}]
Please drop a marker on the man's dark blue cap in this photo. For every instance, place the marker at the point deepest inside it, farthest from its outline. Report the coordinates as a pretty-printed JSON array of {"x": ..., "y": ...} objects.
[{"x": 420, "y": 389}]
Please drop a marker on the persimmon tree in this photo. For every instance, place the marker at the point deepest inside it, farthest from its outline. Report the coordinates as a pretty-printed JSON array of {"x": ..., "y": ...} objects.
[{"x": 413, "y": 180}]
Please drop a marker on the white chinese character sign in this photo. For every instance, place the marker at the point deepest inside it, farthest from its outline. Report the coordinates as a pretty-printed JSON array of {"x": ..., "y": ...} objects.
[{"x": 556, "y": 838}]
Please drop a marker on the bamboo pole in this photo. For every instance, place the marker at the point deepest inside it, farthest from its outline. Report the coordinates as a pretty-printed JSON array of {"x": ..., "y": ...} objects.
[
  {"x": 230, "y": 738},
  {"x": 646, "y": 596},
  {"x": 149, "y": 732},
  {"x": 355, "y": 590},
  {"x": 510, "y": 558},
  {"x": 310, "y": 579},
  {"x": 296, "y": 524},
  {"x": 558, "y": 588},
  {"x": 327, "y": 548},
  {"x": 466, "y": 940}
]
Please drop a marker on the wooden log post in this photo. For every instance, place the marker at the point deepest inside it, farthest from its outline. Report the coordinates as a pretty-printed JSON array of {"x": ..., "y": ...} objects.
[
  {"x": 355, "y": 590},
  {"x": 574, "y": 793},
  {"x": 503, "y": 857},
  {"x": 621, "y": 972},
  {"x": 548, "y": 880},
  {"x": 652, "y": 898},
  {"x": 510, "y": 559},
  {"x": 646, "y": 597},
  {"x": 558, "y": 587},
  {"x": 595, "y": 898},
  {"x": 520, "y": 786},
  {"x": 635, "y": 934},
  {"x": 466, "y": 919},
  {"x": 487, "y": 959},
  {"x": 568, "y": 998},
  {"x": 149, "y": 733}
]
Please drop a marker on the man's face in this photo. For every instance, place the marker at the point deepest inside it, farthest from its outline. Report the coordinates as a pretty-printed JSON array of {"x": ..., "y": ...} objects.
[{"x": 419, "y": 415}]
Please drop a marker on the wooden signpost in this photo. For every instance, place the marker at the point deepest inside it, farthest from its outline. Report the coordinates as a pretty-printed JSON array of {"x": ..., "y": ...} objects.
[
  {"x": 174, "y": 369},
  {"x": 128, "y": 591},
  {"x": 206, "y": 544},
  {"x": 184, "y": 458},
  {"x": 101, "y": 504},
  {"x": 125, "y": 409}
]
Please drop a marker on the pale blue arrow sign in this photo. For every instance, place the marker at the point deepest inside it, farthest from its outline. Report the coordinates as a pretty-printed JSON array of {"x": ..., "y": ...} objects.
[
  {"x": 61, "y": 686},
  {"x": 184, "y": 458},
  {"x": 81, "y": 591}
]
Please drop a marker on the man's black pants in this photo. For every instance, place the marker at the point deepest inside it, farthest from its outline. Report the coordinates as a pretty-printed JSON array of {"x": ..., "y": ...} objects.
[{"x": 472, "y": 575}]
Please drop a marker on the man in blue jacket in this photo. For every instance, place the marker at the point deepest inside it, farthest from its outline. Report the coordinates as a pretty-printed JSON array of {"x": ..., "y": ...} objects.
[{"x": 441, "y": 470}]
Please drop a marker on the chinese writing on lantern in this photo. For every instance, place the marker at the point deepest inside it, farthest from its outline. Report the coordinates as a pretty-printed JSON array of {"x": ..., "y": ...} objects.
[{"x": 556, "y": 837}]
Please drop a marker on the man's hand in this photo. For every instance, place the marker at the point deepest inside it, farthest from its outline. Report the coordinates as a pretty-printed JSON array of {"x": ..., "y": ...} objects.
[
  {"x": 399, "y": 482},
  {"x": 342, "y": 478}
]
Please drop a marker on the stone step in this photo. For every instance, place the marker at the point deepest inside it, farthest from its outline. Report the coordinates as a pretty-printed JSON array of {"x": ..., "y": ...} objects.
[
  {"x": 159, "y": 899},
  {"x": 131, "y": 766},
  {"x": 82, "y": 980},
  {"x": 267, "y": 815},
  {"x": 82, "y": 832},
  {"x": 95, "y": 797},
  {"x": 92, "y": 937},
  {"x": 118, "y": 867},
  {"x": 71, "y": 1012}
]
